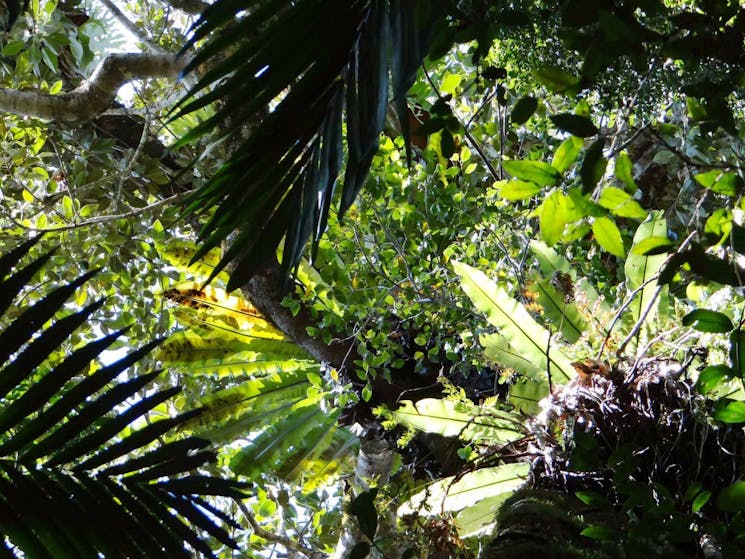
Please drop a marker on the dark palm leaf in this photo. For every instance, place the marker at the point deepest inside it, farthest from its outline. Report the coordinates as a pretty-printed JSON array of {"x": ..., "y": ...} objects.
[
  {"x": 325, "y": 61},
  {"x": 78, "y": 478}
]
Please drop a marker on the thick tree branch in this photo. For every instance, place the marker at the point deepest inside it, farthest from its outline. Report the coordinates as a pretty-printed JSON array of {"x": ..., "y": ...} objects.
[
  {"x": 265, "y": 290},
  {"x": 94, "y": 95}
]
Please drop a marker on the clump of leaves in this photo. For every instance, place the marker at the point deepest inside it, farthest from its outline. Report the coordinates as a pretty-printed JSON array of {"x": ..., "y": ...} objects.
[{"x": 640, "y": 442}]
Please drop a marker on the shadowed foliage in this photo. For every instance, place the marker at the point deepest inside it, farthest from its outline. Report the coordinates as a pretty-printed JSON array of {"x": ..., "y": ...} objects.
[{"x": 84, "y": 469}]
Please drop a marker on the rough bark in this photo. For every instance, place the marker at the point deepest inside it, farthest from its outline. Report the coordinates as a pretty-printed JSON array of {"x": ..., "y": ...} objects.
[
  {"x": 94, "y": 95},
  {"x": 266, "y": 292}
]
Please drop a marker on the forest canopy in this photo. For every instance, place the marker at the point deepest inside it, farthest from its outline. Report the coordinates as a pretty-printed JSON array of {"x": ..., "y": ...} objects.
[{"x": 372, "y": 278}]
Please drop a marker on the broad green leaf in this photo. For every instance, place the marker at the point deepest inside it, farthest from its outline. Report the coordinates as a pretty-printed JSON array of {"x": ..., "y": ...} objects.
[
  {"x": 557, "y": 211},
  {"x": 515, "y": 323},
  {"x": 453, "y": 494},
  {"x": 519, "y": 190},
  {"x": 620, "y": 203},
  {"x": 624, "y": 172},
  {"x": 600, "y": 532},
  {"x": 705, "y": 320},
  {"x": 712, "y": 376},
  {"x": 479, "y": 518},
  {"x": 729, "y": 411},
  {"x": 249, "y": 405},
  {"x": 363, "y": 508},
  {"x": 304, "y": 429},
  {"x": 593, "y": 165},
  {"x": 732, "y": 498},
  {"x": 497, "y": 348},
  {"x": 727, "y": 183},
  {"x": 549, "y": 260},
  {"x": 449, "y": 419},
  {"x": 652, "y": 245},
  {"x": 719, "y": 224},
  {"x": 563, "y": 315},
  {"x": 640, "y": 270},
  {"x": 608, "y": 236},
  {"x": 450, "y": 83},
  {"x": 577, "y": 125},
  {"x": 538, "y": 172},
  {"x": 555, "y": 79},
  {"x": 566, "y": 153},
  {"x": 526, "y": 394},
  {"x": 523, "y": 109},
  {"x": 700, "y": 501}
]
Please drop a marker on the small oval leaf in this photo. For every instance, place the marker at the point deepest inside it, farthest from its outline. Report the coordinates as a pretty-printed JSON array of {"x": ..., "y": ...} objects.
[
  {"x": 523, "y": 109},
  {"x": 593, "y": 166},
  {"x": 519, "y": 190},
  {"x": 608, "y": 236},
  {"x": 538, "y": 172},
  {"x": 577, "y": 125}
]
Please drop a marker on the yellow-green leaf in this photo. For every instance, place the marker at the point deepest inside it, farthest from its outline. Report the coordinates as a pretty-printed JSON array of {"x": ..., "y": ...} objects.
[{"x": 608, "y": 236}]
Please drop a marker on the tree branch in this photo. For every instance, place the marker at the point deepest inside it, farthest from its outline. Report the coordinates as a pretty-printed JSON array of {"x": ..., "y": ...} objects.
[
  {"x": 271, "y": 537},
  {"x": 131, "y": 27},
  {"x": 193, "y": 7},
  {"x": 265, "y": 290},
  {"x": 94, "y": 95}
]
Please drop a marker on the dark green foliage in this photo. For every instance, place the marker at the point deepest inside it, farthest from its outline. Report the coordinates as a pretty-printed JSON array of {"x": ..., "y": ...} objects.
[
  {"x": 342, "y": 59},
  {"x": 78, "y": 479}
]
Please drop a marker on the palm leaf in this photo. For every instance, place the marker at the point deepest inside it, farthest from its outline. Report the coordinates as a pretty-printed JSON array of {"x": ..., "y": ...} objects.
[
  {"x": 78, "y": 476},
  {"x": 343, "y": 58},
  {"x": 279, "y": 402}
]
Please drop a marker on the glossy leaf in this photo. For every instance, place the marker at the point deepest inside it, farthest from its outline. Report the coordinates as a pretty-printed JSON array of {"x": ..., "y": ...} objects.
[
  {"x": 519, "y": 190},
  {"x": 566, "y": 153},
  {"x": 523, "y": 109},
  {"x": 729, "y": 411},
  {"x": 608, "y": 236},
  {"x": 577, "y": 125},
  {"x": 652, "y": 246},
  {"x": 623, "y": 170},
  {"x": 620, "y": 203},
  {"x": 705, "y": 320},
  {"x": 533, "y": 171},
  {"x": 593, "y": 165}
]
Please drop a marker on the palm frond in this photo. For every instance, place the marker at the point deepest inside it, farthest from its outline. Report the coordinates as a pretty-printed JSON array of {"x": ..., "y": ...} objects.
[
  {"x": 82, "y": 471},
  {"x": 322, "y": 63},
  {"x": 279, "y": 400}
]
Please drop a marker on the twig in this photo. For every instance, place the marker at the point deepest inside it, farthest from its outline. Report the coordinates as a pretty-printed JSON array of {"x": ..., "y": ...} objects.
[
  {"x": 124, "y": 175},
  {"x": 105, "y": 218},
  {"x": 471, "y": 140},
  {"x": 276, "y": 538},
  {"x": 633, "y": 295},
  {"x": 131, "y": 27}
]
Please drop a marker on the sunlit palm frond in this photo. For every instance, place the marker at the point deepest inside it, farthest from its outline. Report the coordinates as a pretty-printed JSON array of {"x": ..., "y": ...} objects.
[
  {"x": 83, "y": 469},
  {"x": 322, "y": 63}
]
